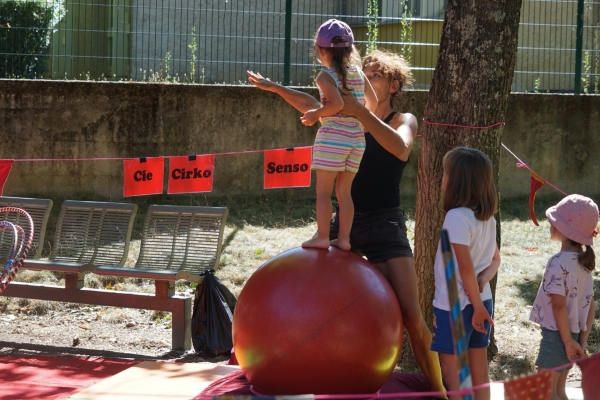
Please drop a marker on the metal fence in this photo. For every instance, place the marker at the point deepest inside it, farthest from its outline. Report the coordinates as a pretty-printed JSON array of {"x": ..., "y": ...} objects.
[{"x": 216, "y": 41}]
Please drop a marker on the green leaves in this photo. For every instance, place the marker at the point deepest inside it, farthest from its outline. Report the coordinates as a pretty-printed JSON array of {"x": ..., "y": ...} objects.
[{"x": 25, "y": 29}]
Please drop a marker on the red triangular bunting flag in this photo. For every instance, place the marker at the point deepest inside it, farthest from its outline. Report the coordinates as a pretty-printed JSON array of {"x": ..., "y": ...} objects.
[
  {"x": 191, "y": 174},
  {"x": 143, "y": 176},
  {"x": 529, "y": 387},
  {"x": 536, "y": 183},
  {"x": 590, "y": 371},
  {"x": 5, "y": 166},
  {"x": 287, "y": 167}
]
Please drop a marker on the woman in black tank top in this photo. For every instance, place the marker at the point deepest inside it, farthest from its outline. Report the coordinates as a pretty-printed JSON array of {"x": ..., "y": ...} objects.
[
  {"x": 379, "y": 230},
  {"x": 377, "y": 183}
]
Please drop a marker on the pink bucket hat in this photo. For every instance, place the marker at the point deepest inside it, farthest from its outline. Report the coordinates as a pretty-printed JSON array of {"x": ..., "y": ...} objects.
[
  {"x": 334, "y": 29},
  {"x": 576, "y": 217}
]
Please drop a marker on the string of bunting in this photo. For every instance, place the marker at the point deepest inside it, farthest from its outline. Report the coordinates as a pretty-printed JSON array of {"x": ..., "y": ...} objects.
[
  {"x": 283, "y": 168},
  {"x": 530, "y": 387},
  {"x": 234, "y": 386},
  {"x": 463, "y": 126},
  {"x": 536, "y": 181}
]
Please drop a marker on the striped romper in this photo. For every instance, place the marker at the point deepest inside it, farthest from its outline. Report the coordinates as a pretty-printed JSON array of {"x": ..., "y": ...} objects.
[{"x": 340, "y": 141}]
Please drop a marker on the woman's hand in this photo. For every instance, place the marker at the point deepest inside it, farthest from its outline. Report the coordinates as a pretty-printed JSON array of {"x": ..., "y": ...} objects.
[
  {"x": 351, "y": 104},
  {"x": 259, "y": 81}
]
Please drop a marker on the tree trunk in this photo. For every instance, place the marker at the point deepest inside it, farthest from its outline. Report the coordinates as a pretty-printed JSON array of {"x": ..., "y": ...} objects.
[{"x": 470, "y": 87}]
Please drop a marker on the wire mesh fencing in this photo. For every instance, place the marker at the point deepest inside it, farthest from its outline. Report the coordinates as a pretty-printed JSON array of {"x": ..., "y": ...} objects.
[{"x": 216, "y": 41}]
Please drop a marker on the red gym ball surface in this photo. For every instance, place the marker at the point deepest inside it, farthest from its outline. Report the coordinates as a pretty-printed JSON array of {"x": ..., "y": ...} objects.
[{"x": 317, "y": 321}]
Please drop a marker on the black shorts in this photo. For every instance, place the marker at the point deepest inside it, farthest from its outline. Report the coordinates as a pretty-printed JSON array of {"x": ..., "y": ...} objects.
[{"x": 379, "y": 235}]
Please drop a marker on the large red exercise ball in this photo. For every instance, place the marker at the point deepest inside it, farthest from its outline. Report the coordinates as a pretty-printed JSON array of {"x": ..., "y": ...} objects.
[{"x": 315, "y": 321}]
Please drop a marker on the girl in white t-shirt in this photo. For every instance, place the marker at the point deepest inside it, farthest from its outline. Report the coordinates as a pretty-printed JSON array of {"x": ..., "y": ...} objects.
[
  {"x": 564, "y": 305},
  {"x": 470, "y": 201}
]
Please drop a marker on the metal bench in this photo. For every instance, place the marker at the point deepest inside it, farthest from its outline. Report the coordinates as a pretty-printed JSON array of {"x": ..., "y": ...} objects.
[
  {"x": 88, "y": 234},
  {"x": 178, "y": 242},
  {"x": 38, "y": 209}
]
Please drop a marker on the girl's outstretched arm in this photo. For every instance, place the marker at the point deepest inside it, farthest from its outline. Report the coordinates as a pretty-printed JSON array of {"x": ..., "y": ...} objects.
[
  {"x": 332, "y": 105},
  {"x": 299, "y": 100},
  {"x": 559, "y": 309},
  {"x": 467, "y": 273}
]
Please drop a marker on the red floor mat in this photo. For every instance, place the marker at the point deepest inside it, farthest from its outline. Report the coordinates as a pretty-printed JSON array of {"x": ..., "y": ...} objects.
[{"x": 37, "y": 377}]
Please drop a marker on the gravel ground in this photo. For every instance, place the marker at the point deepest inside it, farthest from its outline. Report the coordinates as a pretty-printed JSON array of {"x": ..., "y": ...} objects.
[{"x": 91, "y": 331}]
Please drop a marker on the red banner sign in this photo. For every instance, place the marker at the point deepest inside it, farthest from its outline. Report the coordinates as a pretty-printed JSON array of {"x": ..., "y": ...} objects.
[
  {"x": 287, "y": 167},
  {"x": 5, "y": 166},
  {"x": 143, "y": 176},
  {"x": 191, "y": 174}
]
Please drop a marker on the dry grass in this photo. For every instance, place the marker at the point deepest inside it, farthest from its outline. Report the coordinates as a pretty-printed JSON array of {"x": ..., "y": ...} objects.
[{"x": 525, "y": 250}]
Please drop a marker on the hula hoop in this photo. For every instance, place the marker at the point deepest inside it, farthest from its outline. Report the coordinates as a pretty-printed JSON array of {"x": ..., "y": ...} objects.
[
  {"x": 20, "y": 248},
  {"x": 4, "y": 225}
]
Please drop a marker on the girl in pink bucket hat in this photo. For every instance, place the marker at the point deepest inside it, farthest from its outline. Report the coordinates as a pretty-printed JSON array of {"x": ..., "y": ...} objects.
[{"x": 564, "y": 305}]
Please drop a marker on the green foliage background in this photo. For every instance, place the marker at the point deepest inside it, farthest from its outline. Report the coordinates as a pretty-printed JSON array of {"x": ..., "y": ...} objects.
[{"x": 24, "y": 38}]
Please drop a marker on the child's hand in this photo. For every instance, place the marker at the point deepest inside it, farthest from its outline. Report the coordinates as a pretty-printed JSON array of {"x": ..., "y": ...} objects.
[
  {"x": 481, "y": 281},
  {"x": 309, "y": 118},
  {"x": 480, "y": 315},
  {"x": 574, "y": 350}
]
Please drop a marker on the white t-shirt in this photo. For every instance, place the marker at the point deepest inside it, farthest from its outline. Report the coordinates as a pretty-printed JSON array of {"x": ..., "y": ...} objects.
[
  {"x": 463, "y": 228},
  {"x": 564, "y": 276}
]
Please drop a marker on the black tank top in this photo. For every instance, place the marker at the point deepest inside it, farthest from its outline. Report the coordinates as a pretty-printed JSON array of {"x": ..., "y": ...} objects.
[{"x": 377, "y": 183}]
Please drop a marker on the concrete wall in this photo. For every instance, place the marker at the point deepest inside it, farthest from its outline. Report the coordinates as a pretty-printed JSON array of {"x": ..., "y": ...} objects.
[{"x": 556, "y": 135}]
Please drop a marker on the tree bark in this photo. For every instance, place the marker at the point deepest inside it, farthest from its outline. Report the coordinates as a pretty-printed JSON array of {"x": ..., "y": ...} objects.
[{"x": 470, "y": 87}]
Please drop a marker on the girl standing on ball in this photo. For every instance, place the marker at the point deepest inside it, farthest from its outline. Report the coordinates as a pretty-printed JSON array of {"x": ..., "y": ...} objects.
[{"x": 340, "y": 141}]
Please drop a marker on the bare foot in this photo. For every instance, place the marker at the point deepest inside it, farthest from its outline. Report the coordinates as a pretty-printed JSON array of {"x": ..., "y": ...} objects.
[
  {"x": 316, "y": 243},
  {"x": 341, "y": 244}
]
